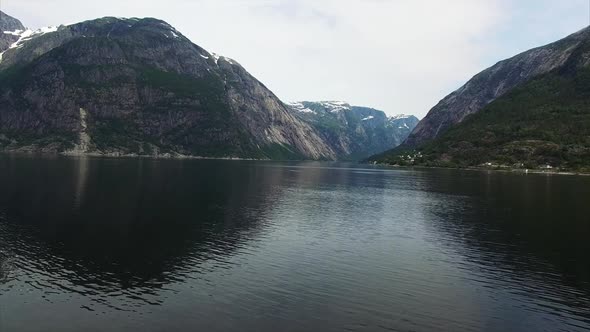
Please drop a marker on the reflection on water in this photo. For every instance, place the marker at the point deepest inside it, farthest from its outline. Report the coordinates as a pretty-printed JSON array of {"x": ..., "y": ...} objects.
[
  {"x": 125, "y": 244},
  {"x": 131, "y": 226},
  {"x": 523, "y": 238}
]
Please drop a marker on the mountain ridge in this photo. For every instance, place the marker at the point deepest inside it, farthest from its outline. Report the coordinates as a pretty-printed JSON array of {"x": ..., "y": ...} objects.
[
  {"x": 541, "y": 121},
  {"x": 137, "y": 86},
  {"x": 354, "y": 132},
  {"x": 491, "y": 84},
  {"x": 121, "y": 73},
  {"x": 11, "y": 24}
]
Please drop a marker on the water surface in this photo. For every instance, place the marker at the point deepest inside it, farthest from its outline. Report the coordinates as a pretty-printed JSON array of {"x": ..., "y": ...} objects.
[{"x": 188, "y": 245}]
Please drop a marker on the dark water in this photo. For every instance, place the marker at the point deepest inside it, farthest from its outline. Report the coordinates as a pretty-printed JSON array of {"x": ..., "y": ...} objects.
[{"x": 148, "y": 245}]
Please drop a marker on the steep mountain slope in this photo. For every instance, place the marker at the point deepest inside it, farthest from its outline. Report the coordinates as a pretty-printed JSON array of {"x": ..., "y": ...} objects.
[
  {"x": 9, "y": 23},
  {"x": 9, "y": 27},
  {"x": 544, "y": 123},
  {"x": 138, "y": 86},
  {"x": 355, "y": 132},
  {"x": 493, "y": 83}
]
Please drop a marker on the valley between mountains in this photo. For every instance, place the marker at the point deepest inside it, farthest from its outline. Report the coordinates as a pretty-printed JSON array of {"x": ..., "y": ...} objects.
[{"x": 139, "y": 87}]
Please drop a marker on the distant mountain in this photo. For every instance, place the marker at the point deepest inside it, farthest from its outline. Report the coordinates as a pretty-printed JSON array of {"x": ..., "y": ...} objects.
[
  {"x": 530, "y": 111},
  {"x": 9, "y": 23},
  {"x": 355, "y": 132},
  {"x": 13, "y": 27},
  {"x": 115, "y": 86}
]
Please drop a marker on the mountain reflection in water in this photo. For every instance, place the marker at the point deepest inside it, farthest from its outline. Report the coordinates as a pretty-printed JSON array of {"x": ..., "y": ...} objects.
[{"x": 140, "y": 244}]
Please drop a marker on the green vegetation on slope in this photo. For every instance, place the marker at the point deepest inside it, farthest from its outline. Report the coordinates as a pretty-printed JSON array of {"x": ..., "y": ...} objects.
[{"x": 546, "y": 122}]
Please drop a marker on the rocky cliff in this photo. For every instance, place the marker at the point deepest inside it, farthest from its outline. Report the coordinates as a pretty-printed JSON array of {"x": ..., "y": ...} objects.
[
  {"x": 527, "y": 112},
  {"x": 139, "y": 87},
  {"x": 355, "y": 132},
  {"x": 493, "y": 83},
  {"x": 9, "y": 23},
  {"x": 9, "y": 27}
]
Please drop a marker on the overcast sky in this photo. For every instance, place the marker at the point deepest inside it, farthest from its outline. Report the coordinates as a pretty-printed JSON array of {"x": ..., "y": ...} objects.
[{"x": 400, "y": 56}]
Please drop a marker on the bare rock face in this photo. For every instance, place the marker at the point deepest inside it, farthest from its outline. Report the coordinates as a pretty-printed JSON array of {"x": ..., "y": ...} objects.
[
  {"x": 139, "y": 87},
  {"x": 493, "y": 83},
  {"x": 8, "y": 25}
]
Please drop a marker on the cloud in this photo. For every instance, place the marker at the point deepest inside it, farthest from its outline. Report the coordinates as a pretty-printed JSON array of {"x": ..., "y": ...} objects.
[{"x": 401, "y": 56}]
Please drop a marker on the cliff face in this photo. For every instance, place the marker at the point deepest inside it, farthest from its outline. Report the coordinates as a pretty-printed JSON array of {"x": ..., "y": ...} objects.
[
  {"x": 8, "y": 28},
  {"x": 354, "y": 132},
  {"x": 493, "y": 83},
  {"x": 138, "y": 86},
  {"x": 9, "y": 23},
  {"x": 527, "y": 112}
]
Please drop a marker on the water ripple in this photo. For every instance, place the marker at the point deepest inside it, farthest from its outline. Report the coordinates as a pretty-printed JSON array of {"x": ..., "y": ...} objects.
[{"x": 250, "y": 246}]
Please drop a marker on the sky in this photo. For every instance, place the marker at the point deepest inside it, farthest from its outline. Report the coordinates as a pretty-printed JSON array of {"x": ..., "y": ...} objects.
[{"x": 399, "y": 56}]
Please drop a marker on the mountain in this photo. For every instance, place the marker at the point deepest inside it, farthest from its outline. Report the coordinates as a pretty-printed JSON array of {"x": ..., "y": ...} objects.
[
  {"x": 493, "y": 83},
  {"x": 354, "y": 132},
  {"x": 530, "y": 111},
  {"x": 9, "y": 23},
  {"x": 116, "y": 86},
  {"x": 12, "y": 26}
]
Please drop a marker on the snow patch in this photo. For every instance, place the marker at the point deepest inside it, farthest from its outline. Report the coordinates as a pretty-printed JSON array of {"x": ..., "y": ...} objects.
[
  {"x": 295, "y": 104},
  {"x": 204, "y": 57},
  {"x": 48, "y": 29},
  {"x": 299, "y": 107},
  {"x": 14, "y": 33},
  {"x": 399, "y": 117},
  {"x": 131, "y": 19},
  {"x": 335, "y": 106},
  {"x": 170, "y": 31},
  {"x": 217, "y": 57},
  {"x": 341, "y": 103},
  {"x": 306, "y": 110},
  {"x": 370, "y": 117},
  {"x": 26, "y": 35},
  {"x": 329, "y": 106}
]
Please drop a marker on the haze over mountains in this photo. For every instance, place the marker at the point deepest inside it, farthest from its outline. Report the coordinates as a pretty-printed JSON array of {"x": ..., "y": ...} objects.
[{"x": 115, "y": 86}]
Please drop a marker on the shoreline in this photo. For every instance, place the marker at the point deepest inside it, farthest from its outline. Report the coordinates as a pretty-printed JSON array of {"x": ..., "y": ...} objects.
[
  {"x": 166, "y": 156},
  {"x": 483, "y": 169}
]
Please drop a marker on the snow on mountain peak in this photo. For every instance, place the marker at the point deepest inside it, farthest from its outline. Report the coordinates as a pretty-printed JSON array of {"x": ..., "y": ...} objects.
[
  {"x": 298, "y": 106},
  {"x": 341, "y": 103},
  {"x": 335, "y": 106},
  {"x": 28, "y": 34},
  {"x": 399, "y": 117}
]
